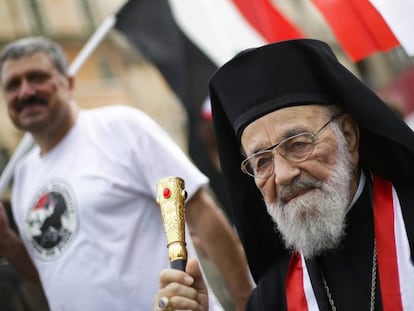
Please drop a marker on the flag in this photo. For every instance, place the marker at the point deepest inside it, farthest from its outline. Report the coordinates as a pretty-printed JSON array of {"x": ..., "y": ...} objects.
[
  {"x": 222, "y": 28},
  {"x": 358, "y": 27},
  {"x": 398, "y": 15},
  {"x": 191, "y": 38},
  {"x": 268, "y": 21},
  {"x": 187, "y": 40},
  {"x": 150, "y": 26}
]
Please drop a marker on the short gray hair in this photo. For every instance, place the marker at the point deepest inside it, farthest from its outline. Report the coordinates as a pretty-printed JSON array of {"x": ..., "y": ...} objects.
[{"x": 30, "y": 45}]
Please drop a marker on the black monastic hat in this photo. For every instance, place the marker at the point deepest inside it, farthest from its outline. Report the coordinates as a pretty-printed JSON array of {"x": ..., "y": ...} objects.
[{"x": 289, "y": 73}]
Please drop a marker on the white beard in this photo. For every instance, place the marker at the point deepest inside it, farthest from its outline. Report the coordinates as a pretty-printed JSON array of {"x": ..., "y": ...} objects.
[{"x": 315, "y": 221}]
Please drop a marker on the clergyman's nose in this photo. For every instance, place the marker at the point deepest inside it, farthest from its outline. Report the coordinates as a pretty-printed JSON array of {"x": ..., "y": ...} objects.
[{"x": 284, "y": 171}]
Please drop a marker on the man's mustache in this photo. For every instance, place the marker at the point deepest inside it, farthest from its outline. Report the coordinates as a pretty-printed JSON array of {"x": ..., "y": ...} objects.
[{"x": 35, "y": 99}]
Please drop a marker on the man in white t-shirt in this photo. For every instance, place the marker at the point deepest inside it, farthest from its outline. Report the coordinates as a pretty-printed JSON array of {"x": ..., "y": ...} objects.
[{"x": 83, "y": 199}]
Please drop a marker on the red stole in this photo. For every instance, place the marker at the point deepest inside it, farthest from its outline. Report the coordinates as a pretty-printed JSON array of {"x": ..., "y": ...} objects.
[{"x": 387, "y": 253}]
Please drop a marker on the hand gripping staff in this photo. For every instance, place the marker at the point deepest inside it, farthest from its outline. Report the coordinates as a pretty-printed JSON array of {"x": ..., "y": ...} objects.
[{"x": 170, "y": 197}]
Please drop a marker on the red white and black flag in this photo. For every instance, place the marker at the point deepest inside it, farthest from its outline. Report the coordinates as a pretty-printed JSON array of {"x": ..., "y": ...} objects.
[{"x": 187, "y": 40}]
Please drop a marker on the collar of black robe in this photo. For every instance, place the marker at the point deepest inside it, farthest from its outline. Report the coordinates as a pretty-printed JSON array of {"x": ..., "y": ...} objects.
[{"x": 244, "y": 89}]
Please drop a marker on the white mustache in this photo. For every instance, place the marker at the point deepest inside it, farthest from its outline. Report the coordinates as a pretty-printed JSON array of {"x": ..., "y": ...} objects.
[{"x": 299, "y": 184}]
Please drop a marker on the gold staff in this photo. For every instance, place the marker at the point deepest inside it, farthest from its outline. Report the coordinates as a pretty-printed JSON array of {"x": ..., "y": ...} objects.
[{"x": 170, "y": 197}]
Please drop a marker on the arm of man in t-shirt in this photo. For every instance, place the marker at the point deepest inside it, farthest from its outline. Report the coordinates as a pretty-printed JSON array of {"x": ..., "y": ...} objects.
[{"x": 221, "y": 244}]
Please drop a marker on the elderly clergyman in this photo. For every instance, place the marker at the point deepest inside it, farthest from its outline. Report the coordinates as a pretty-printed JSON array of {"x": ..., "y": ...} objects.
[{"x": 303, "y": 140}]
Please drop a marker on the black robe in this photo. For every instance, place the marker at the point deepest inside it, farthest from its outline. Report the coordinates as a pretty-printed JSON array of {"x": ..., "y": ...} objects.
[
  {"x": 294, "y": 73},
  {"x": 347, "y": 269}
]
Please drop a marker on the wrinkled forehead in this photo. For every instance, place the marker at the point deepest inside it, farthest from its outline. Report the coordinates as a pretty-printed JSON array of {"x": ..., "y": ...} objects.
[{"x": 281, "y": 124}]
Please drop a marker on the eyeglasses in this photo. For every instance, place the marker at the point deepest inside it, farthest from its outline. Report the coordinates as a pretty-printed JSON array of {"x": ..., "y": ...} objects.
[{"x": 297, "y": 148}]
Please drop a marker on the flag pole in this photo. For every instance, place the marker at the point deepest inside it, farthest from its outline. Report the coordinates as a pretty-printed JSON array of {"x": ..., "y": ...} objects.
[
  {"x": 27, "y": 141},
  {"x": 91, "y": 45}
]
